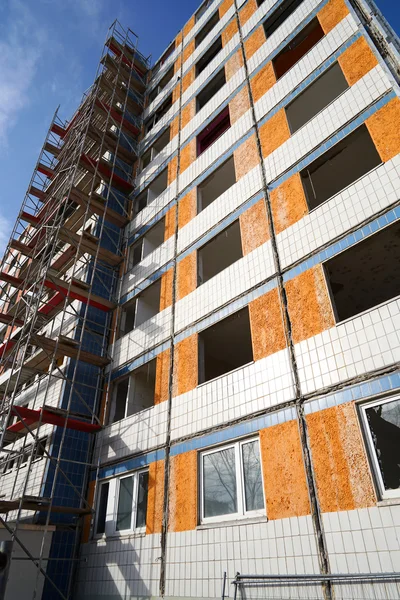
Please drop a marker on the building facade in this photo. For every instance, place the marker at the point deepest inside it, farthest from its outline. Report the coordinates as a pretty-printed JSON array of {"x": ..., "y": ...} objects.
[{"x": 237, "y": 351}]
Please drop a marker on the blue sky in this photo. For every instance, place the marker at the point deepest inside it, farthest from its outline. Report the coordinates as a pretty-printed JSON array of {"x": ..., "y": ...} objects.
[{"x": 49, "y": 50}]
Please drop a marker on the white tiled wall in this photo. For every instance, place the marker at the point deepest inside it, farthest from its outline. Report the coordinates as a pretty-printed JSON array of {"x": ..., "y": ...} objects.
[
  {"x": 361, "y": 344},
  {"x": 241, "y": 276},
  {"x": 143, "y": 431},
  {"x": 369, "y": 195},
  {"x": 259, "y": 385},
  {"x": 148, "y": 335}
]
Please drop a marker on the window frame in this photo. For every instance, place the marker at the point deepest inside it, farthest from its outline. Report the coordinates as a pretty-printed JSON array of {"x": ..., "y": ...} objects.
[
  {"x": 373, "y": 459},
  {"x": 241, "y": 513},
  {"x": 110, "y": 526}
]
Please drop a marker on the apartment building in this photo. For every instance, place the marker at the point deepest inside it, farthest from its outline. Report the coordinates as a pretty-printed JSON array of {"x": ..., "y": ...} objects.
[{"x": 201, "y": 384}]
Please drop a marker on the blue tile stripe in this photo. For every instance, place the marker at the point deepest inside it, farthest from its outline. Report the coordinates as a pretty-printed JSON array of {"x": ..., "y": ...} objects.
[
  {"x": 194, "y": 246},
  {"x": 348, "y": 241},
  {"x": 138, "y": 362},
  {"x": 225, "y": 311},
  {"x": 234, "y": 432},
  {"x": 337, "y": 137},
  {"x": 362, "y": 391},
  {"x": 381, "y": 385},
  {"x": 137, "y": 462}
]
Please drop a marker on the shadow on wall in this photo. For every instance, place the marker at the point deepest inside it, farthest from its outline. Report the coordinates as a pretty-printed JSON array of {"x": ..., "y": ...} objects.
[{"x": 112, "y": 570}]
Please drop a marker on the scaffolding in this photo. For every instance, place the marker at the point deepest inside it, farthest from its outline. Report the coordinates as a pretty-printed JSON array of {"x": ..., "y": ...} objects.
[{"x": 59, "y": 290}]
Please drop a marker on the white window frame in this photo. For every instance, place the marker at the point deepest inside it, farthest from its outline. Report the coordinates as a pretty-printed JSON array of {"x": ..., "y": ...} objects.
[
  {"x": 112, "y": 506},
  {"x": 384, "y": 493},
  {"x": 241, "y": 513}
]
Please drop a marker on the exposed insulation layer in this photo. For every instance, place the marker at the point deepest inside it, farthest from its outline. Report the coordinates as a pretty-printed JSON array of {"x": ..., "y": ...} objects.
[
  {"x": 224, "y": 7},
  {"x": 188, "y": 112},
  {"x": 274, "y": 132},
  {"x": 166, "y": 289},
  {"x": 254, "y": 227},
  {"x": 170, "y": 223},
  {"x": 188, "y": 50},
  {"x": 172, "y": 170},
  {"x": 189, "y": 26},
  {"x": 227, "y": 34},
  {"x": 183, "y": 492},
  {"x": 233, "y": 65},
  {"x": 262, "y": 81},
  {"x": 162, "y": 377},
  {"x": 246, "y": 157},
  {"x": 186, "y": 367},
  {"x": 288, "y": 203},
  {"x": 187, "y": 275},
  {"x": 357, "y": 60},
  {"x": 247, "y": 11},
  {"x": 187, "y": 208},
  {"x": 254, "y": 42},
  {"x": 384, "y": 129},
  {"x": 188, "y": 155},
  {"x": 309, "y": 304},
  {"x": 267, "y": 331},
  {"x": 331, "y": 14},
  {"x": 239, "y": 105},
  {"x": 155, "y": 498},
  {"x": 285, "y": 483},
  {"x": 340, "y": 464},
  {"x": 188, "y": 79}
]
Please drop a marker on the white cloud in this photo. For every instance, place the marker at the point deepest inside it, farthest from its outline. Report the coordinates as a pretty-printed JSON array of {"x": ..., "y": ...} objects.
[
  {"x": 5, "y": 230},
  {"x": 22, "y": 42}
]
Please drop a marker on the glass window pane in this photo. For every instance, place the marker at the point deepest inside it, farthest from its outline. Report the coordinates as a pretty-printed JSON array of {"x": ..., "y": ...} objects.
[
  {"x": 384, "y": 423},
  {"x": 253, "y": 486},
  {"x": 142, "y": 499},
  {"x": 102, "y": 511},
  {"x": 220, "y": 496},
  {"x": 124, "y": 514}
]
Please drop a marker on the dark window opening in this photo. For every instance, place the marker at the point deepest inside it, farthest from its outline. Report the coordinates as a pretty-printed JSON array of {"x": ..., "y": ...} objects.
[
  {"x": 316, "y": 97},
  {"x": 367, "y": 274},
  {"x": 211, "y": 89},
  {"x": 146, "y": 158},
  {"x": 297, "y": 48},
  {"x": 134, "y": 393},
  {"x": 158, "y": 186},
  {"x": 135, "y": 254},
  {"x": 218, "y": 254},
  {"x": 339, "y": 167},
  {"x": 216, "y": 184},
  {"x": 166, "y": 79},
  {"x": 208, "y": 56},
  {"x": 225, "y": 346},
  {"x": 383, "y": 424},
  {"x": 259, "y": 2},
  {"x": 127, "y": 318},
  {"x": 102, "y": 510},
  {"x": 203, "y": 9},
  {"x": 149, "y": 242},
  {"x": 164, "y": 108},
  {"x": 204, "y": 31},
  {"x": 153, "y": 94},
  {"x": 279, "y": 16},
  {"x": 156, "y": 148},
  {"x": 140, "y": 202},
  {"x": 218, "y": 126}
]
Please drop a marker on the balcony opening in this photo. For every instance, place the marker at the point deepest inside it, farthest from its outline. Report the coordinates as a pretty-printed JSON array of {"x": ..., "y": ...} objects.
[
  {"x": 157, "y": 186},
  {"x": 297, "y": 48},
  {"x": 218, "y": 126},
  {"x": 279, "y": 16},
  {"x": 211, "y": 89},
  {"x": 153, "y": 94},
  {"x": 140, "y": 202},
  {"x": 148, "y": 303},
  {"x": 316, "y": 97},
  {"x": 158, "y": 115},
  {"x": 149, "y": 242},
  {"x": 339, "y": 167},
  {"x": 135, "y": 254},
  {"x": 216, "y": 184},
  {"x": 225, "y": 346},
  {"x": 365, "y": 275},
  {"x": 134, "y": 393},
  {"x": 259, "y": 2},
  {"x": 205, "y": 30},
  {"x": 208, "y": 56},
  {"x": 156, "y": 148},
  {"x": 218, "y": 254},
  {"x": 153, "y": 238},
  {"x": 164, "y": 81},
  {"x": 139, "y": 310},
  {"x": 203, "y": 9}
]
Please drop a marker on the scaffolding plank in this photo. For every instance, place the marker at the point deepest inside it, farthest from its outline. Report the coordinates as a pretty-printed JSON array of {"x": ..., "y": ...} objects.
[
  {"x": 69, "y": 347},
  {"x": 89, "y": 244},
  {"x": 98, "y": 206},
  {"x": 39, "y": 504},
  {"x": 32, "y": 417}
]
